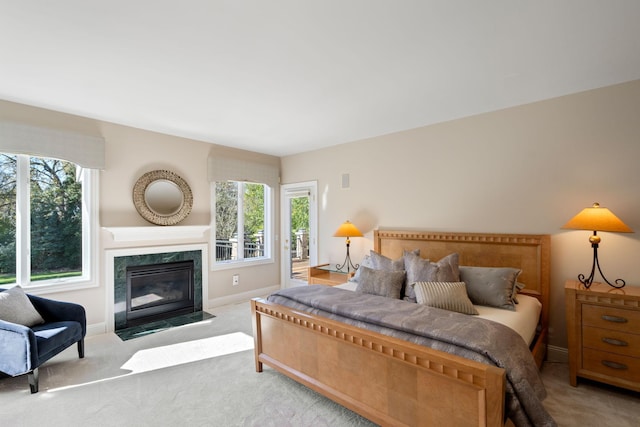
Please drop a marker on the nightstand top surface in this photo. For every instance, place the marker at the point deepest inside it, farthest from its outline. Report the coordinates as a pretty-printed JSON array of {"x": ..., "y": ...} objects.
[{"x": 598, "y": 287}]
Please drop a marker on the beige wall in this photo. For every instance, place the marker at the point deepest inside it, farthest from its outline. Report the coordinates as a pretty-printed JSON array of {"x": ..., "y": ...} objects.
[
  {"x": 526, "y": 169},
  {"x": 130, "y": 153},
  {"x": 521, "y": 170}
]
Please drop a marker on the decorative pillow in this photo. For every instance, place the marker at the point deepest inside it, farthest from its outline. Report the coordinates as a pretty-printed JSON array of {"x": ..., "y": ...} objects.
[
  {"x": 15, "y": 307},
  {"x": 365, "y": 263},
  {"x": 380, "y": 262},
  {"x": 490, "y": 286},
  {"x": 380, "y": 282},
  {"x": 422, "y": 270},
  {"x": 418, "y": 270},
  {"x": 517, "y": 288},
  {"x": 450, "y": 296},
  {"x": 448, "y": 269}
]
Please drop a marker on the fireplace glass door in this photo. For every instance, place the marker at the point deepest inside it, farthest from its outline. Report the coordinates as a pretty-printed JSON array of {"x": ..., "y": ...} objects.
[{"x": 159, "y": 291}]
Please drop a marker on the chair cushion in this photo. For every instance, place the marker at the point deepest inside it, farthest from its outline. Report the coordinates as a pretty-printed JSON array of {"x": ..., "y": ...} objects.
[
  {"x": 15, "y": 307},
  {"x": 54, "y": 337}
]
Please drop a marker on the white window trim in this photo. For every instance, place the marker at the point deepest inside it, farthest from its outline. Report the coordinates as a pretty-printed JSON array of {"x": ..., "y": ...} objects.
[
  {"x": 90, "y": 244},
  {"x": 268, "y": 257}
]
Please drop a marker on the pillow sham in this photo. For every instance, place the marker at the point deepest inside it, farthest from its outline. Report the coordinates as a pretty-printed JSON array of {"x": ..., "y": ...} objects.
[
  {"x": 450, "y": 296},
  {"x": 422, "y": 270},
  {"x": 380, "y": 282},
  {"x": 490, "y": 286},
  {"x": 15, "y": 307},
  {"x": 517, "y": 288},
  {"x": 365, "y": 263},
  {"x": 380, "y": 262}
]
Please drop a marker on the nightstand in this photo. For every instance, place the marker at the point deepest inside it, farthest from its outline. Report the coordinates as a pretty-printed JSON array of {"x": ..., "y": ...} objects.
[
  {"x": 326, "y": 274},
  {"x": 603, "y": 330}
]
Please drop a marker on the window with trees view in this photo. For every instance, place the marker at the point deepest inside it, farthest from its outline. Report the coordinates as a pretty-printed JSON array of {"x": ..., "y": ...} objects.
[
  {"x": 242, "y": 221},
  {"x": 42, "y": 213}
]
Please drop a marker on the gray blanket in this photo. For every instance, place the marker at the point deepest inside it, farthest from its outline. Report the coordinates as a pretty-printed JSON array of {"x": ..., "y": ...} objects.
[{"x": 467, "y": 336}]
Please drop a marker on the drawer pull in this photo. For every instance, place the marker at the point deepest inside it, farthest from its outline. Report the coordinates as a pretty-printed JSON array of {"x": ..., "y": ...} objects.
[
  {"x": 615, "y": 319},
  {"x": 614, "y": 365},
  {"x": 614, "y": 341}
]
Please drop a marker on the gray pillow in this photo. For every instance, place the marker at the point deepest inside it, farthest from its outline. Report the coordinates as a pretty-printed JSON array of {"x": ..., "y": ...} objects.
[
  {"x": 490, "y": 286},
  {"x": 15, "y": 307},
  {"x": 380, "y": 262},
  {"x": 366, "y": 262},
  {"x": 380, "y": 282},
  {"x": 418, "y": 270},
  {"x": 423, "y": 270},
  {"x": 448, "y": 268},
  {"x": 450, "y": 296}
]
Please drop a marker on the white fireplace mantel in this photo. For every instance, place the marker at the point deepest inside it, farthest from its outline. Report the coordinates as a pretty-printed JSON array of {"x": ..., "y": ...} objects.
[{"x": 152, "y": 233}]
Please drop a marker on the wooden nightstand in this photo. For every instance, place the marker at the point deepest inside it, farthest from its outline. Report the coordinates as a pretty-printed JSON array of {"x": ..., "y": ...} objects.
[
  {"x": 326, "y": 274},
  {"x": 603, "y": 330}
]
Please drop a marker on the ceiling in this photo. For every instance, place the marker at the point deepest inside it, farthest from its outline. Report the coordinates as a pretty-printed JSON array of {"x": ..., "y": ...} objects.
[{"x": 282, "y": 77}]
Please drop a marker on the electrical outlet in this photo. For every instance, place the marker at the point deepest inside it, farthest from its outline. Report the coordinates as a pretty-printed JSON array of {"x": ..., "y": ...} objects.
[{"x": 236, "y": 279}]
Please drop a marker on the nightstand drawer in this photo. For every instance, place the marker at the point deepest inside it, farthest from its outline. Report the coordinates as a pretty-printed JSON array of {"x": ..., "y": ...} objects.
[
  {"x": 615, "y": 318},
  {"x": 611, "y": 341},
  {"x": 613, "y": 365}
]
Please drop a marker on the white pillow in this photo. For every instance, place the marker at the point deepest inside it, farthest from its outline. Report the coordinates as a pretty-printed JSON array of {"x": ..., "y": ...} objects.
[{"x": 15, "y": 307}]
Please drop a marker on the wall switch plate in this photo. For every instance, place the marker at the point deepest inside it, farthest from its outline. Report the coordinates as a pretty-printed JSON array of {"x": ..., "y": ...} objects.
[{"x": 236, "y": 279}]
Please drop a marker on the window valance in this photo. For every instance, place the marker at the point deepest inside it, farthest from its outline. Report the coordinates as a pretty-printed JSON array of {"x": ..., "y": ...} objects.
[
  {"x": 228, "y": 165},
  {"x": 84, "y": 150}
]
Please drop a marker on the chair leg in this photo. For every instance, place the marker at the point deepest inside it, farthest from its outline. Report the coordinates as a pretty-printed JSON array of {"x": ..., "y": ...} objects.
[
  {"x": 33, "y": 377},
  {"x": 81, "y": 348}
]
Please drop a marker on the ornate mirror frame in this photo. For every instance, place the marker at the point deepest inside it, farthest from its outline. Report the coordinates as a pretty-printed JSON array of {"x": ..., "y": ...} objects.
[{"x": 147, "y": 212}]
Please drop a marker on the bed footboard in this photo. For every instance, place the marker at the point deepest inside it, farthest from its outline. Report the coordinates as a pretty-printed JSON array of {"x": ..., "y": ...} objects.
[{"x": 384, "y": 379}]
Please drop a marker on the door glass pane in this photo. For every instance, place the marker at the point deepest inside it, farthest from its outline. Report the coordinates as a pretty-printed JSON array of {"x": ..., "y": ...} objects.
[
  {"x": 56, "y": 219},
  {"x": 299, "y": 237},
  {"x": 8, "y": 171}
]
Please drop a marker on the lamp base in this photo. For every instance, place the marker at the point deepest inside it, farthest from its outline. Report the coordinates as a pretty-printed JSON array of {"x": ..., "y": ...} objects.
[
  {"x": 347, "y": 262},
  {"x": 586, "y": 282}
]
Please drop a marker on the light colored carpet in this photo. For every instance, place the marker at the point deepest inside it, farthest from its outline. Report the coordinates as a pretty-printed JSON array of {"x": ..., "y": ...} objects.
[{"x": 203, "y": 374}]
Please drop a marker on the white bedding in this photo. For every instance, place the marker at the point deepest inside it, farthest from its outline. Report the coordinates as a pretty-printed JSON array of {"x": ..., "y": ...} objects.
[{"x": 524, "y": 320}]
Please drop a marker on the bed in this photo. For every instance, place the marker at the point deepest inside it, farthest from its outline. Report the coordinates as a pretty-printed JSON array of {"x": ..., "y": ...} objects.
[{"x": 397, "y": 380}]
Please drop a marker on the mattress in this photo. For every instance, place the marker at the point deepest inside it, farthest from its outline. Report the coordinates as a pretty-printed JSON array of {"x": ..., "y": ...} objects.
[{"x": 524, "y": 320}]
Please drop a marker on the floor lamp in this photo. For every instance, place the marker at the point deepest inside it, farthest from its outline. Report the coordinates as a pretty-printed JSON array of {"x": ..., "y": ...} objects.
[
  {"x": 597, "y": 218},
  {"x": 347, "y": 229}
]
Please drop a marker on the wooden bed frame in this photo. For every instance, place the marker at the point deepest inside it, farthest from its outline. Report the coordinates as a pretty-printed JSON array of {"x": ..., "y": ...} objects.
[{"x": 391, "y": 381}]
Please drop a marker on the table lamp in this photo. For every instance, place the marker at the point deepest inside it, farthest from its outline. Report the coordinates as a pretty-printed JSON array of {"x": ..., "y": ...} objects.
[
  {"x": 347, "y": 229},
  {"x": 597, "y": 218}
]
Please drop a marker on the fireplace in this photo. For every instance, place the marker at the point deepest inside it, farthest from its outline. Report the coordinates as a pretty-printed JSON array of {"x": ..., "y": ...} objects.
[
  {"x": 159, "y": 291},
  {"x": 143, "y": 308}
]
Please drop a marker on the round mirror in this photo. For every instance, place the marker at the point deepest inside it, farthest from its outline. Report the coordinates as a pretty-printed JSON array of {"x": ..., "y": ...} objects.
[{"x": 162, "y": 197}]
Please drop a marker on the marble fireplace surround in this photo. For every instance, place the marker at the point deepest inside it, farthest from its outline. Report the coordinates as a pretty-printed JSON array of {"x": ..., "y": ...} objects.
[{"x": 118, "y": 259}]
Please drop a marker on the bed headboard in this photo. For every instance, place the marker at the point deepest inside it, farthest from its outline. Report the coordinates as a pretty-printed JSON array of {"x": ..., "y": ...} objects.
[{"x": 528, "y": 252}]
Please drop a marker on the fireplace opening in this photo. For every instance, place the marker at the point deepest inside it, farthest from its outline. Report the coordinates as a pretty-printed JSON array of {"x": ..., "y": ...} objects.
[{"x": 159, "y": 291}]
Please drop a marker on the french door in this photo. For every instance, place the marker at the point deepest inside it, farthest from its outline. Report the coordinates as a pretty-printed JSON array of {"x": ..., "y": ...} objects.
[{"x": 299, "y": 232}]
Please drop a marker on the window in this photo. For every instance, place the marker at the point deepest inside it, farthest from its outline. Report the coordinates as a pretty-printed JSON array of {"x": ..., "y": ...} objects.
[
  {"x": 45, "y": 221},
  {"x": 242, "y": 222}
]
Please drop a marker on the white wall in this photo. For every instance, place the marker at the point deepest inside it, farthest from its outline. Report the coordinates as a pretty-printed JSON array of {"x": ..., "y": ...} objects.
[{"x": 521, "y": 170}]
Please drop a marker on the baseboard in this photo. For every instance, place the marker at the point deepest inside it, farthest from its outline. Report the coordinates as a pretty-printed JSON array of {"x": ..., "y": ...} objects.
[
  {"x": 96, "y": 329},
  {"x": 557, "y": 354},
  {"x": 243, "y": 296}
]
